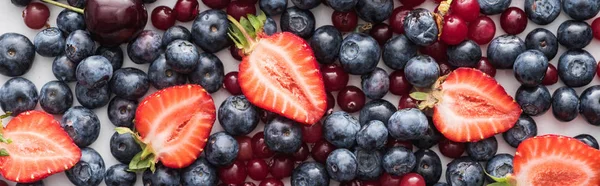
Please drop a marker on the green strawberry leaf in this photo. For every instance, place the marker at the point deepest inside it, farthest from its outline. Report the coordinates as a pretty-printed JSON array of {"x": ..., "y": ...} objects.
[
  {"x": 3, "y": 152},
  {"x": 419, "y": 96},
  {"x": 139, "y": 164}
]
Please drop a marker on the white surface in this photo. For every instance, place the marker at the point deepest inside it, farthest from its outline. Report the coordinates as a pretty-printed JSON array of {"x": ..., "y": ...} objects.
[{"x": 41, "y": 73}]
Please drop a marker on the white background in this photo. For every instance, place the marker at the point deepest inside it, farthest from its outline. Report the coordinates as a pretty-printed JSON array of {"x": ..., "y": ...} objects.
[{"x": 11, "y": 21}]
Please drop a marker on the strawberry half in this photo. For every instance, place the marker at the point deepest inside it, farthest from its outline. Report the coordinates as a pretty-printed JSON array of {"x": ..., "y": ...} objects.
[
  {"x": 35, "y": 147},
  {"x": 173, "y": 125},
  {"x": 469, "y": 105},
  {"x": 278, "y": 73}
]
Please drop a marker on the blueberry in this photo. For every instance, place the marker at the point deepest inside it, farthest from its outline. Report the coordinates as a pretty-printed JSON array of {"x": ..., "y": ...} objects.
[
  {"x": 270, "y": 26},
  {"x": 94, "y": 72},
  {"x": 534, "y": 100},
  {"x": 581, "y": 9},
  {"x": 588, "y": 140},
  {"x": 82, "y": 125},
  {"x": 16, "y": 54},
  {"x": 77, "y": 3},
  {"x": 372, "y": 136},
  {"x": 326, "y": 42},
  {"x": 79, "y": 45},
  {"x": 374, "y": 11},
  {"x": 182, "y": 56},
  {"x": 420, "y": 27},
  {"x": 18, "y": 95},
  {"x": 92, "y": 98},
  {"x": 574, "y": 34},
  {"x": 221, "y": 149},
  {"x": 310, "y": 173},
  {"x": 342, "y": 5},
  {"x": 524, "y": 128},
  {"x": 64, "y": 69},
  {"x": 161, "y": 75},
  {"x": 377, "y": 109},
  {"x": 576, "y": 68},
  {"x": 340, "y": 129},
  {"x": 124, "y": 147},
  {"x": 398, "y": 161},
  {"x": 431, "y": 137},
  {"x": 589, "y": 106},
  {"x": 89, "y": 171},
  {"x": 565, "y": 104},
  {"x": 306, "y": 4},
  {"x": 342, "y": 165},
  {"x": 499, "y": 166},
  {"x": 273, "y": 7},
  {"x": 542, "y": 12},
  {"x": 118, "y": 175},
  {"x": 121, "y": 112},
  {"x": 530, "y": 67},
  {"x": 238, "y": 116},
  {"x": 428, "y": 165},
  {"x": 465, "y": 54},
  {"x": 113, "y": 54},
  {"x": 209, "y": 73},
  {"x": 49, "y": 42},
  {"x": 37, "y": 183},
  {"x": 20, "y": 2},
  {"x": 359, "y": 53},
  {"x": 56, "y": 97},
  {"x": 163, "y": 176},
  {"x": 283, "y": 135},
  {"x": 375, "y": 84},
  {"x": 482, "y": 150},
  {"x": 145, "y": 47},
  {"x": 422, "y": 71},
  {"x": 408, "y": 124},
  {"x": 68, "y": 21},
  {"x": 543, "y": 40},
  {"x": 369, "y": 164},
  {"x": 397, "y": 51},
  {"x": 492, "y": 7},
  {"x": 440, "y": 184},
  {"x": 209, "y": 30},
  {"x": 176, "y": 33},
  {"x": 503, "y": 50},
  {"x": 464, "y": 171},
  {"x": 199, "y": 173},
  {"x": 298, "y": 21},
  {"x": 129, "y": 83}
]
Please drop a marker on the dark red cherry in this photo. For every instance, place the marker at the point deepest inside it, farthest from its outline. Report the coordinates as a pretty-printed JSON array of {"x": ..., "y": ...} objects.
[
  {"x": 330, "y": 103},
  {"x": 398, "y": 83},
  {"x": 259, "y": 147},
  {"x": 451, "y": 149},
  {"x": 230, "y": 83},
  {"x": 271, "y": 182},
  {"x": 321, "y": 150},
  {"x": 238, "y": 9},
  {"x": 454, "y": 31},
  {"x": 257, "y": 169},
  {"x": 482, "y": 30},
  {"x": 162, "y": 17},
  {"x": 312, "y": 133},
  {"x": 36, "y": 15},
  {"x": 411, "y": 3},
  {"x": 436, "y": 50},
  {"x": 412, "y": 179},
  {"x": 216, "y": 4},
  {"x": 245, "y": 148},
  {"x": 186, "y": 10},
  {"x": 344, "y": 21},
  {"x": 397, "y": 19},
  {"x": 281, "y": 166},
  {"x": 234, "y": 173},
  {"x": 334, "y": 77},
  {"x": 513, "y": 20},
  {"x": 381, "y": 32},
  {"x": 235, "y": 52},
  {"x": 407, "y": 102},
  {"x": 485, "y": 66},
  {"x": 445, "y": 67},
  {"x": 351, "y": 99},
  {"x": 113, "y": 22},
  {"x": 551, "y": 76},
  {"x": 466, "y": 9},
  {"x": 301, "y": 154},
  {"x": 387, "y": 179}
]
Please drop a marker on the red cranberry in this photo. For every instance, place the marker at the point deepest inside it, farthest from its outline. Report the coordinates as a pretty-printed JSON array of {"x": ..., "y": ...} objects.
[
  {"x": 344, "y": 21},
  {"x": 266, "y": 116},
  {"x": 216, "y": 4},
  {"x": 513, "y": 20},
  {"x": 281, "y": 166},
  {"x": 271, "y": 182},
  {"x": 259, "y": 147},
  {"x": 466, "y": 9},
  {"x": 257, "y": 169},
  {"x": 230, "y": 83},
  {"x": 301, "y": 154},
  {"x": 186, "y": 10},
  {"x": 3, "y": 183},
  {"x": 371, "y": 183},
  {"x": 381, "y": 32},
  {"x": 321, "y": 150},
  {"x": 596, "y": 28},
  {"x": 454, "y": 30},
  {"x": 482, "y": 30},
  {"x": 398, "y": 83},
  {"x": 249, "y": 184},
  {"x": 351, "y": 99},
  {"x": 398, "y": 143},
  {"x": 412, "y": 179},
  {"x": 486, "y": 67},
  {"x": 162, "y": 17},
  {"x": 334, "y": 77},
  {"x": 411, "y": 3},
  {"x": 235, "y": 52},
  {"x": 233, "y": 174},
  {"x": 451, "y": 149},
  {"x": 387, "y": 179},
  {"x": 551, "y": 76},
  {"x": 330, "y": 103},
  {"x": 352, "y": 183},
  {"x": 245, "y": 144},
  {"x": 36, "y": 15},
  {"x": 397, "y": 19},
  {"x": 407, "y": 102},
  {"x": 238, "y": 9},
  {"x": 445, "y": 67},
  {"x": 248, "y": 1},
  {"x": 436, "y": 50},
  {"x": 312, "y": 133}
]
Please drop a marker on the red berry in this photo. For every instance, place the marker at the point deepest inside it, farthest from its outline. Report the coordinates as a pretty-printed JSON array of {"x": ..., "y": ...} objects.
[
  {"x": 216, "y": 4},
  {"x": 411, "y": 3},
  {"x": 445, "y": 68},
  {"x": 398, "y": 83},
  {"x": 230, "y": 83},
  {"x": 352, "y": 183},
  {"x": 248, "y": 1},
  {"x": 486, "y": 67},
  {"x": 454, "y": 30},
  {"x": 596, "y": 28},
  {"x": 387, "y": 179},
  {"x": 381, "y": 32},
  {"x": 344, "y": 21},
  {"x": 551, "y": 76},
  {"x": 186, "y": 10},
  {"x": 482, "y": 30},
  {"x": 281, "y": 166},
  {"x": 36, "y": 15},
  {"x": 436, "y": 50},
  {"x": 162, "y": 17},
  {"x": 234, "y": 173},
  {"x": 397, "y": 19},
  {"x": 334, "y": 77},
  {"x": 330, "y": 103},
  {"x": 513, "y": 20},
  {"x": 321, "y": 150},
  {"x": 407, "y": 102},
  {"x": 351, "y": 99},
  {"x": 249, "y": 184},
  {"x": 301, "y": 154},
  {"x": 412, "y": 179},
  {"x": 451, "y": 149},
  {"x": 257, "y": 169},
  {"x": 466, "y": 9},
  {"x": 266, "y": 116},
  {"x": 238, "y": 9},
  {"x": 312, "y": 133},
  {"x": 259, "y": 147},
  {"x": 398, "y": 143},
  {"x": 235, "y": 52},
  {"x": 271, "y": 182},
  {"x": 371, "y": 183},
  {"x": 245, "y": 144}
]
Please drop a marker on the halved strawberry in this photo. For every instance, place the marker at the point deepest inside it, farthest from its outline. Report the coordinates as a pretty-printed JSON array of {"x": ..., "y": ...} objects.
[
  {"x": 279, "y": 73},
  {"x": 469, "y": 105},
  {"x": 38, "y": 147}
]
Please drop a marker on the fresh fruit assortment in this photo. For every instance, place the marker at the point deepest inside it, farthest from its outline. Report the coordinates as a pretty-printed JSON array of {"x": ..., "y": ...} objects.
[{"x": 287, "y": 84}]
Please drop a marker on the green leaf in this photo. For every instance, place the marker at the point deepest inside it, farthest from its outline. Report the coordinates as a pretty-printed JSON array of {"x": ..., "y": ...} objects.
[
  {"x": 146, "y": 152},
  {"x": 138, "y": 164},
  {"x": 248, "y": 27},
  {"x": 499, "y": 184},
  {"x": 6, "y": 115},
  {"x": 420, "y": 96},
  {"x": 123, "y": 130},
  {"x": 497, "y": 179},
  {"x": 3, "y": 152},
  {"x": 5, "y": 140}
]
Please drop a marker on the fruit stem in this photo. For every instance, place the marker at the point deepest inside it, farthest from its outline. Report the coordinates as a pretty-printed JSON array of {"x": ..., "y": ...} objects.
[
  {"x": 75, "y": 9},
  {"x": 237, "y": 24}
]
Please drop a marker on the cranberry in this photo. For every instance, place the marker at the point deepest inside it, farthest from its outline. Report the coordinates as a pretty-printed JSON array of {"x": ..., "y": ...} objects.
[
  {"x": 451, "y": 149},
  {"x": 238, "y": 9},
  {"x": 312, "y": 133},
  {"x": 407, "y": 102},
  {"x": 126, "y": 19},
  {"x": 162, "y": 17},
  {"x": 411, "y": 3},
  {"x": 281, "y": 166},
  {"x": 249, "y": 184},
  {"x": 259, "y": 147},
  {"x": 486, "y": 67},
  {"x": 321, "y": 150},
  {"x": 352, "y": 183},
  {"x": 249, "y": 1},
  {"x": 245, "y": 146},
  {"x": 513, "y": 20},
  {"x": 445, "y": 67},
  {"x": 36, "y": 15},
  {"x": 271, "y": 182},
  {"x": 482, "y": 30},
  {"x": 466, "y": 9},
  {"x": 186, "y": 10},
  {"x": 371, "y": 183},
  {"x": 230, "y": 83},
  {"x": 398, "y": 83},
  {"x": 454, "y": 30},
  {"x": 266, "y": 116},
  {"x": 235, "y": 52},
  {"x": 436, "y": 50},
  {"x": 233, "y": 174},
  {"x": 397, "y": 19},
  {"x": 392, "y": 142},
  {"x": 257, "y": 169},
  {"x": 387, "y": 179},
  {"x": 334, "y": 77},
  {"x": 381, "y": 32},
  {"x": 344, "y": 21},
  {"x": 3, "y": 183},
  {"x": 301, "y": 154},
  {"x": 412, "y": 179},
  {"x": 351, "y": 99},
  {"x": 596, "y": 28},
  {"x": 216, "y": 4},
  {"x": 551, "y": 76},
  {"x": 330, "y": 103}
]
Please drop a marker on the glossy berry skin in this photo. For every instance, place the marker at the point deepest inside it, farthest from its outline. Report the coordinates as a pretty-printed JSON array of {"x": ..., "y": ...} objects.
[
  {"x": 245, "y": 144},
  {"x": 64, "y": 69},
  {"x": 374, "y": 11},
  {"x": 89, "y": 170},
  {"x": 397, "y": 51},
  {"x": 412, "y": 179},
  {"x": 411, "y": 3},
  {"x": 551, "y": 76},
  {"x": 574, "y": 34},
  {"x": 272, "y": 7},
  {"x": 351, "y": 99},
  {"x": 407, "y": 102},
  {"x": 381, "y": 32},
  {"x": 145, "y": 48},
  {"x": 589, "y": 107},
  {"x": 163, "y": 17},
  {"x": 524, "y": 128},
  {"x": 129, "y": 83},
  {"x": 503, "y": 50},
  {"x": 376, "y": 110},
  {"x": 464, "y": 171},
  {"x": 375, "y": 84},
  {"x": 100, "y": 20},
  {"x": 257, "y": 169},
  {"x": 387, "y": 179},
  {"x": 56, "y": 97},
  {"x": 342, "y": 5},
  {"x": 234, "y": 173},
  {"x": 69, "y": 21},
  {"x": 581, "y": 9},
  {"x": 451, "y": 149},
  {"x": 259, "y": 146},
  {"x": 79, "y": 45},
  {"x": 369, "y": 164},
  {"x": 454, "y": 31},
  {"x": 482, "y": 150},
  {"x": 326, "y": 42},
  {"x": 534, "y": 100},
  {"x": 430, "y": 139},
  {"x": 437, "y": 51},
  {"x": 492, "y": 7},
  {"x": 428, "y": 165},
  {"x": 543, "y": 40},
  {"x": 408, "y": 124},
  {"x": 342, "y": 165},
  {"x": 283, "y": 135},
  {"x": 465, "y": 54},
  {"x": 82, "y": 125},
  {"x": 221, "y": 149},
  {"x": 209, "y": 31},
  {"x": 340, "y": 129},
  {"x": 588, "y": 139},
  {"x": 117, "y": 175},
  {"x": 482, "y": 30},
  {"x": 468, "y": 10},
  {"x": 209, "y": 73},
  {"x": 161, "y": 75},
  {"x": 542, "y": 12},
  {"x": 121, "y": 112},
  {"x": 321, "y": 150},
  {"x": 565, "y": 104},
  {"x": 267, "y": 182},
  {"x": 200, "y": 173},
  {"x": 238, "y": 9},
  {"x": 297, "y": 21},
  {"x": 421, "y": 71},
  {"x": 92, "y": 98},
  {"x": 281, "y": 166},
  {"x": 530, "y": 67},
  {"x": 576, "y": 68},
  {"x": 186, "y": 10},
  {"x": 372, "y": 136},
  {"x": 175, "y": 33},
  {"x": 20, "y": 3},
  {"x": 94, "y": 72},
  {"x": 113, "y": 54},
  {"x": 216, "y": 4},
  {"x": 397, "y": 19},
  {"x": 596, "y": 28},
  {"x": 310, "y": 173},
  {"x": 513, "y": 20},
  {"x": 486, "y": 67},
  {"x": 49, "y": 42},
  {"x": 420, "y": 27},
  {"x": 18, "y": 95},
  {"x": 36, "y": 15},
  {"x": 334, "y": 77},
  {"x": 270, "y": 26},
  {"x": 344, "y": 21},
  {"x": 182, "y": 56},
  {"x": 77, "y": 3},
  {"x": 499, "y": 166},
  {"x": 123, "y": 147},
  {"x": 306, "y": 4},
  {"x": 398, "y": 161},
  {"x": 312, "y": 133},
  {"x": 162, "y": 176},
  {"x": 399, "y": 85}
]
